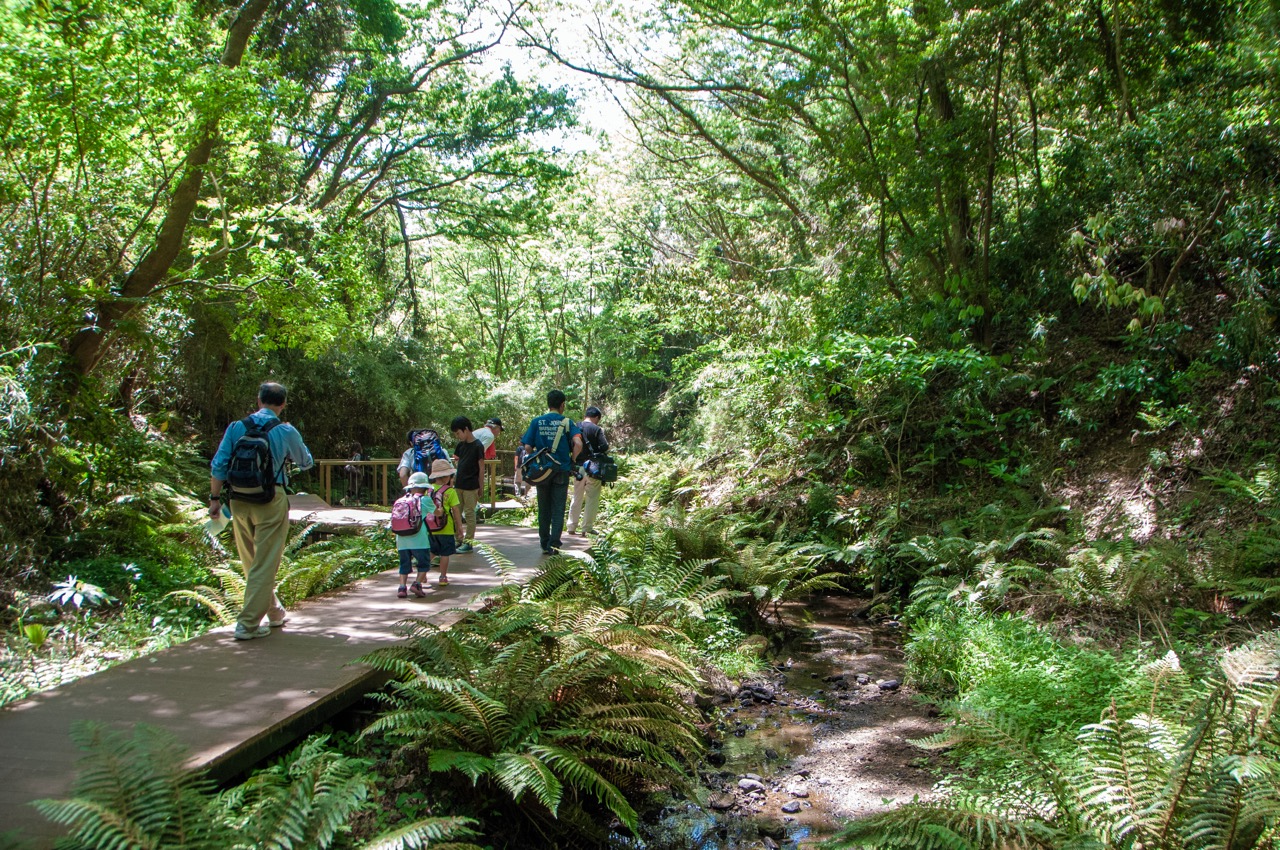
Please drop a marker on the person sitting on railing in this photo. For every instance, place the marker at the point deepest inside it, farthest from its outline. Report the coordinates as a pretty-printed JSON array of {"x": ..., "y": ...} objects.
[{"x": 355, "y": 475}]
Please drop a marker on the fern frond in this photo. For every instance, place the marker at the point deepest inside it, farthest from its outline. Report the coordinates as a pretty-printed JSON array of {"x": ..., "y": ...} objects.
[
  {"x": 470, "y": 764},
  {"x": 990, "y": 729},
  {"x": 1129, "y": 764},
  {"x": 501, "y": 564},
  {"x": 424, "y": 833},
  {"x": 96, "y": 824},
  {"x": 521, "y": 772},
  {"x": 578, "y": 774},
  {"x": 962, "y": 823},
  {"x": 134, "y": 792},
  {"x": 1257, "y": 661}
]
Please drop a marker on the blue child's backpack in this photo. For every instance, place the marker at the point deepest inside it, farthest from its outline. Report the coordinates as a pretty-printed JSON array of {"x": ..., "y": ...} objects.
[{"x": 426, "y": 448}]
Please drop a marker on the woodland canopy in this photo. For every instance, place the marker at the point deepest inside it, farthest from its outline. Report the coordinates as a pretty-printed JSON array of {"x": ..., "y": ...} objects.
[{"x": 959, "y": 246}]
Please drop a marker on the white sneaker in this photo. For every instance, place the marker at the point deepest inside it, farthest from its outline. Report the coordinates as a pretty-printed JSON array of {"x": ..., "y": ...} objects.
[{"x": 249, "y": 634}]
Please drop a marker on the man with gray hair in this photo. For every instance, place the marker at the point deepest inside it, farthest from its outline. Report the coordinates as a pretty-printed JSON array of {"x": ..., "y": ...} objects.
[{"x": 249, "y": 469}]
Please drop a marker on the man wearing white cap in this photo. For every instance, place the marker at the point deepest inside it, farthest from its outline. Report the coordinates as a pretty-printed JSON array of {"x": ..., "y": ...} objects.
[{"x": 488, "y": 436}]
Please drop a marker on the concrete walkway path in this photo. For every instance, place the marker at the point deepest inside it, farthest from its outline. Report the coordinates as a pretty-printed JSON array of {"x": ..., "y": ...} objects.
[{"x": 235, "y": 702}]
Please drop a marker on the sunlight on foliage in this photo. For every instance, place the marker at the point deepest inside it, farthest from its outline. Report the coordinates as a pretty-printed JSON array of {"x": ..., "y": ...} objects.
[
  {"x": 1191, "y": 774},
  {"x": 137, "y": 792}
]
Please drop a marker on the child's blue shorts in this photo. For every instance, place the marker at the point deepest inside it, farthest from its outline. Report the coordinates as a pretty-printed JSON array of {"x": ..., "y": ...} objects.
[
  {"x": 407, "y": 557},
  {"x": 443, "y": 545}
]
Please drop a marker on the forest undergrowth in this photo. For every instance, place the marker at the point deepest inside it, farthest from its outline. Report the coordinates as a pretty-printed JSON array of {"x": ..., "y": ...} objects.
[{"x": 1101, "y": 691}]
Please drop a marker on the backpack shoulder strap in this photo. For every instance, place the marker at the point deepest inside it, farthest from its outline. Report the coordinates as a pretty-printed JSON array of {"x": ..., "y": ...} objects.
[
  {"x": 565, "y": 424},
  {"x": 251, "y": 424}
]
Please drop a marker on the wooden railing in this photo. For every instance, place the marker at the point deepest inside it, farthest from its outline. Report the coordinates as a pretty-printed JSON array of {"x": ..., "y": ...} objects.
[
  {"x": 386, "y": 484},
  {"x": 385, "y": 481}
]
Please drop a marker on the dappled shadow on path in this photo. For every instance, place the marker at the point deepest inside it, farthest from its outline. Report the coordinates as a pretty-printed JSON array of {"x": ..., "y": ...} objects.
[{"x": 232, "y": 702}]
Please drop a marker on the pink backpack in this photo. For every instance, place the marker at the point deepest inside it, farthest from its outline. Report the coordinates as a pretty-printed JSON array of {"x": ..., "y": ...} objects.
[
  {"x": 439, "y": 518},
  {"x": 406, "y": 514}
]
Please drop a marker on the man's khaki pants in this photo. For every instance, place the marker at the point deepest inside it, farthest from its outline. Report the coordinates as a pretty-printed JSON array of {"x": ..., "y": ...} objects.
[
  {"x": 261, "y": 533},
  {"x": 586, "y": 500},
  {"x": 470, "y": 500}
]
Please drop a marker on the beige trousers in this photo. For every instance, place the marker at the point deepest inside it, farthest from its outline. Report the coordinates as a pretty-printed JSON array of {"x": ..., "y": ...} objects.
[
  {"x": 586, "y": 500},
  {"x": 470, "y": 499},
  {"x": 261, "y": 532}
]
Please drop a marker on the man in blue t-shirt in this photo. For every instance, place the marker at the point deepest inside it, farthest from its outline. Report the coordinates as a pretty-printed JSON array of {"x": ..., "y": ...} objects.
[{"x": 562, "y": 438}]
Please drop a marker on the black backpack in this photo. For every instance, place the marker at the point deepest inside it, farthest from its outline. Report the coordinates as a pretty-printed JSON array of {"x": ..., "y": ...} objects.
[
  {"x": 603, "y": 468},
  {"x": 589, "y": 447},
  {"x": 251, "y": 475}
]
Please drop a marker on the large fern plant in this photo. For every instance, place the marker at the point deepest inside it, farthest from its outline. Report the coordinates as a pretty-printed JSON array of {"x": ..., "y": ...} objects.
[
  {"x": 1204, "y": 775},
  {"x": 134, "y": 792},
  {"x": 564, "y": 709},
  {"x": 743, "y": 570},
  {"x": 769, "y": 574},
  {"x": 652, "y": 581}
]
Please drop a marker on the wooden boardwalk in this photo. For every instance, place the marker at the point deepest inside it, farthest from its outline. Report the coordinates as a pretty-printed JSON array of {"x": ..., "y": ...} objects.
[{"x": 235, "y": 702}]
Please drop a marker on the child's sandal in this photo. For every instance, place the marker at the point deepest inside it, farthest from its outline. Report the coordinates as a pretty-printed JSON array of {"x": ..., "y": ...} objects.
[
  {"x": 403, "y": 592},
  {"x": 416, "y": 587}
]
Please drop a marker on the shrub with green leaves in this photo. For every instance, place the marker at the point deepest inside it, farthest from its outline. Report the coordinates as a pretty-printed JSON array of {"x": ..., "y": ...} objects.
[
  {"x": 307, "y": 569},
  {"x": 1011, "y": 666}
]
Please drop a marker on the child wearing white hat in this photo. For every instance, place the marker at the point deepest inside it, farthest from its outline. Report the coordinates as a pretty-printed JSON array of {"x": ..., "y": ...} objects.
[
  {"x": 415, "y": 545},
  {"x": 445, "y": 541}
]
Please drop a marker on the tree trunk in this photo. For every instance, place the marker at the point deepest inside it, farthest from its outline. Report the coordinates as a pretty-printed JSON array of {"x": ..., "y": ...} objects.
[
  {"x": 86, "y": 347},
  {"x": 1111, "y": 49},
  {"x": 955, "y": 195}
]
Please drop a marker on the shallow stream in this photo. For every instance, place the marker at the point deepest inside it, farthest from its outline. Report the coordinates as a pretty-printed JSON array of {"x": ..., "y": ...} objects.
[{"x": 817, "y": 738}]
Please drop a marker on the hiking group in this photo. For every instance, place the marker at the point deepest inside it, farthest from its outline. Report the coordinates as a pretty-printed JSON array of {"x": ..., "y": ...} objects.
[{"x": 436, "y": 517}]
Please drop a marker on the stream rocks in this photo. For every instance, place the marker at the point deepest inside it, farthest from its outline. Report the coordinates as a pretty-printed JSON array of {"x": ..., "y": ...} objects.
[
  {"x": 800, "y": 748},
  {"x": 722, "y": 802},
  {"x": 757, "y": 692}
]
